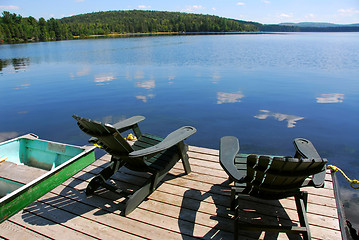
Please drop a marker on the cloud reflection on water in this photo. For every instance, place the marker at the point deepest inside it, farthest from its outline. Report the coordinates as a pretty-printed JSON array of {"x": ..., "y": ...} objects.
[
  {"x": 150, "y": 84},
  {"x": 145, "y": 98},
  {"x": 216, "y": 77},
  {"x": 171, "y": 79},
  {"x": 139, "y": 74},
  {"x": 22, "y": 86},
  {"x": 330, "y": 98},
  {"x": 103, "y": 79},
  {"x": 84, "y": 71},
  {"x": 291, "y": 119},
  {"x": 223, "y": 97}
]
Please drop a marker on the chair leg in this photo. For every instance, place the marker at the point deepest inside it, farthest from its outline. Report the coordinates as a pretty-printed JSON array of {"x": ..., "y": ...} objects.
[
  {"x": 184, "y": 156},
  {"x": 150, "y": 186},
  {"x": 104, "y": 175},
  {"x": 136, "y": 198},
  {"x": 301, "y": 201}
]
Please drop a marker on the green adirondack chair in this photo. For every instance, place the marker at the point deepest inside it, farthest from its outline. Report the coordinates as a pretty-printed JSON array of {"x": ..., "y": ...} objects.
[
  {"x": 272, "y": 177},
  {"x": 149, "y": 153}
]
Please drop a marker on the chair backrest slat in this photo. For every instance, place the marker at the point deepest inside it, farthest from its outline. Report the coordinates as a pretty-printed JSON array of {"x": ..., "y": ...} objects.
[
  {"x": 251, "y": 163},
  {"x": 279, "y": 174},
  {"x": 108, "y": 137},
  {"x": 261, "y": 169}
]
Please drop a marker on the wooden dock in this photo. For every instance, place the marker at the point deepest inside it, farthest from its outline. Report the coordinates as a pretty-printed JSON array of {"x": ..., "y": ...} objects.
[{"x": 183, "y": 207}]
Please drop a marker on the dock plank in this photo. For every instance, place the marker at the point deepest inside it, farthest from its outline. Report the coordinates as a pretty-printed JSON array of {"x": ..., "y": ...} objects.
[
  {"x": 109, "y": 213},
  {"x": 183, "y": 207},
  {"x": 41, "y": 227},
  {"x": 9, "y": 228},
  {"x": 62, "y": 211}
]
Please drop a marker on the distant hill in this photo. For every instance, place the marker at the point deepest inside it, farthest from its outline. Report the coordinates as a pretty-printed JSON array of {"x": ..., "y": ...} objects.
[
  {"x": 307, "y": 27},
  {"x": 14, "y": 28},
  {"x": 319, "y": 24},
  {"x": 138, "y": 21}
]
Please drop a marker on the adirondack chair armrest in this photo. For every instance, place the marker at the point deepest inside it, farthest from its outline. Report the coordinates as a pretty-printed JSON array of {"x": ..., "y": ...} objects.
[
  {"x": 319, "y": 178},
  {"x": 228, "y": 149},
  {"x": 304, "y": 148},
  {"x": 128, "y": 123},
  {"x": 171, "y": 140}
]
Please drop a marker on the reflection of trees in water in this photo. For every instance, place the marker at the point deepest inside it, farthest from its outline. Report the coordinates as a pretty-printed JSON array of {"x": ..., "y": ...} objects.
[{"x": 17, "y": 63}]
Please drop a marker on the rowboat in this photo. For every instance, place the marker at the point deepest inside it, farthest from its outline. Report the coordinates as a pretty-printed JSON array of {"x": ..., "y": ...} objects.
[{"x": 30, "y": 167}]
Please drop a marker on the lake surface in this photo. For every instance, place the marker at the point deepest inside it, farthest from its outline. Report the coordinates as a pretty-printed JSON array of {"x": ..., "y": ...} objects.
[{"x": 266, "y": 89}]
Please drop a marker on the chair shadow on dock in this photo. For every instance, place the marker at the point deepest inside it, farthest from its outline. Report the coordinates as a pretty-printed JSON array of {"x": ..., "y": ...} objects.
[
  {"x": 69, "y": 201},
  {"x": 222, "y": 223}
]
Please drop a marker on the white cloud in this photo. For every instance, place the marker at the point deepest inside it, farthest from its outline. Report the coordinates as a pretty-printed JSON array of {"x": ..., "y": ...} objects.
[
  {"x": 310, "y": 16},
  {"x": 66, "y": 15},
  {"x": 291, "y": 119},
  {"x": 330, "y": 98},
  {"x": 285, "y": 15},
  {"x": 240, "y": 4},
  {"x": 197, "y": 7},
  {"x": 266, "y": 1},
  {"x": 9, "y": 7},
  {"x": 143, "y": 7},
  {"x": 348, "y": 12},
  {"x": 193, "y": 8}
]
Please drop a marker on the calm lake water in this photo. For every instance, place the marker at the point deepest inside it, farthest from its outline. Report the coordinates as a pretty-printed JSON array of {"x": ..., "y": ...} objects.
[{"x": 266, "y": 89}]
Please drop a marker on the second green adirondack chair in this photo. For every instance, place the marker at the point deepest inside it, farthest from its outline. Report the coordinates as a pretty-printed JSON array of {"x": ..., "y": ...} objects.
[{"x": 272, "y": 177}]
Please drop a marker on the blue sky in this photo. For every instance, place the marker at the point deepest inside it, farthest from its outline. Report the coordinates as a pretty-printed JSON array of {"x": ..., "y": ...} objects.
[{"x": 263, "y": 11}]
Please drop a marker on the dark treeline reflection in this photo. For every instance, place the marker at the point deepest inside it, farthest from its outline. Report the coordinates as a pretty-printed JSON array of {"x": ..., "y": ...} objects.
[{"x": 17, "y": 63}]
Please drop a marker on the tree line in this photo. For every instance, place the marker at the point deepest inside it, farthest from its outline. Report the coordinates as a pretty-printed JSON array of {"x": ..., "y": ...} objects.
[{"x": 15, "y": 28}]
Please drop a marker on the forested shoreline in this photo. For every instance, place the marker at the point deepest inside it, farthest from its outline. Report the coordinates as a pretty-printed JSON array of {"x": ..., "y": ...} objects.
[{"x": 16, "y": 29}]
